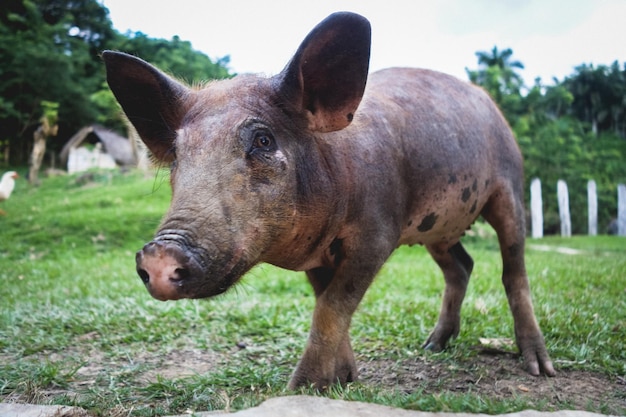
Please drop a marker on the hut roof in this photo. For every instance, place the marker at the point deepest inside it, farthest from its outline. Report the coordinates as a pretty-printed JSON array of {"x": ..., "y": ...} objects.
[{"x": 115, "y": 145}]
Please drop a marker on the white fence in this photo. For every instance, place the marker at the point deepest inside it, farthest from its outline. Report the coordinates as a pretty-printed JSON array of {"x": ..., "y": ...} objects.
[{"x": 536, "y": 208}]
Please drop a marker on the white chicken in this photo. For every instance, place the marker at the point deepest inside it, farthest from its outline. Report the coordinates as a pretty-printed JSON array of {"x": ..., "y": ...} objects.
[{"x": 6, "y": 186}]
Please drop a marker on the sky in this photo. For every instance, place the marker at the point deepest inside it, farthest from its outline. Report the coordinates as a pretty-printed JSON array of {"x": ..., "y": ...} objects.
[{"x": 550, "y": 37}]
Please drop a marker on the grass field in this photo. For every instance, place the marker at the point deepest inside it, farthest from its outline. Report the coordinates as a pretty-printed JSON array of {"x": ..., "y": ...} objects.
[{"x": 77, "y": 326}]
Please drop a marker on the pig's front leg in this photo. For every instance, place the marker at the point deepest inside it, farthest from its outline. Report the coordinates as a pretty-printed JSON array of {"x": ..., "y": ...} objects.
[
  {"x": 328, "y": 357},
  {"x": 456, "y": 265}
]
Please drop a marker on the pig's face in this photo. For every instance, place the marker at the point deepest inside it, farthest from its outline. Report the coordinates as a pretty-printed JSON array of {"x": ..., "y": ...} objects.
[
  {"x": 244, "y": 157},
  {"x": 234, "y": 186}
]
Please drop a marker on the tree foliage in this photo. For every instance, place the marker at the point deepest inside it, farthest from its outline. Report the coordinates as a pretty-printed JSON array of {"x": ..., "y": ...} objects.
[
  {"x": 44, "y": 56},
  {"x": 174, "y": 56},
  {"x": 600, "y": 97},
  {"x": 50, "y": 52},
  {"x": 573, "y": 130}
]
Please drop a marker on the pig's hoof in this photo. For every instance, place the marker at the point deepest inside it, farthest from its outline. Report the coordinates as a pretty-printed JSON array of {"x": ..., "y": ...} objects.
[
  {"x": 298, "y": 382},
  {"x": 535, "y": 354},
  {"x": 537, "y": 368},
  {"x": 437, "y": 340},
  {"x": 444, "y": 330},
  {"x": 538, "y": 361},
  {"x": 343, "y": 374},
  {"x": 432, "y": 346},
  {"x": 321, "y": 385},
  {"x": 346, "y": 373}
]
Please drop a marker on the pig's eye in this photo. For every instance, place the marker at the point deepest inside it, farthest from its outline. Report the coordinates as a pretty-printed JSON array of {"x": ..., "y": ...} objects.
[{"x": 263, "y": 141}]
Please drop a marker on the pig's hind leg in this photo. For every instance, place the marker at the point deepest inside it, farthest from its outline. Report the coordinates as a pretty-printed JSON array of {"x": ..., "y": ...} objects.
[
  {"x": 505, "y": 212},
  {"x": 456, "y": 265}
]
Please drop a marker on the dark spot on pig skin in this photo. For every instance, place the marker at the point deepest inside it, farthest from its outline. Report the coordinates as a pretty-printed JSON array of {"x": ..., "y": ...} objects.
[
  {"x": 452, "y": 179},
  {"x": 475, "y": 185},
  {"x": 473, "y": 209},
  {"x": 466, "y": 194},
  {"x": 427, "y": 223},
  {"x": 316, "y": 242},
  {"x": 335, "y": 251},
  {"x": 486, "y": 183},
  {"x": 350, "y": 288},
  {"x": 350, "y": 117},
  {"x": 410, "y": 223}
]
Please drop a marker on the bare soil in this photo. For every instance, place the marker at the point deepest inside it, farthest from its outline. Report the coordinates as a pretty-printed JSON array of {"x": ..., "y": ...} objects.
[{"x": 501, "y": 376}]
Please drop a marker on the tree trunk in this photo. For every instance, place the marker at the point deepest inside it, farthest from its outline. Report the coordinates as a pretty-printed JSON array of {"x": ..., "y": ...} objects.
[{"x": 39, "y": 149}]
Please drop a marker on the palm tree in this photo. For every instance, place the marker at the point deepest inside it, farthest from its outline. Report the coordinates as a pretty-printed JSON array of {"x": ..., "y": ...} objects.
[
  {"x": 499, "y": 59},
  {"x": 511, "y": 80},
  {"x": 497, "y": 74}
]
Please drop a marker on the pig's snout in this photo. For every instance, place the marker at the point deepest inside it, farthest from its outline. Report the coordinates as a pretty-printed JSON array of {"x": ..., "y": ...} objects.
[{"x": 165, "y": 267}]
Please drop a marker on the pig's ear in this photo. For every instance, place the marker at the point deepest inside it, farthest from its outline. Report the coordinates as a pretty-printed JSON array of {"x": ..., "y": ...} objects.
[
  {"x": 151, "y": 100},
  {"x": 326, "y": 77}
]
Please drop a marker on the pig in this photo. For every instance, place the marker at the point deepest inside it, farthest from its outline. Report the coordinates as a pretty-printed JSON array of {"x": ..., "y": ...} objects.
[{"x": 323, "y": 169}]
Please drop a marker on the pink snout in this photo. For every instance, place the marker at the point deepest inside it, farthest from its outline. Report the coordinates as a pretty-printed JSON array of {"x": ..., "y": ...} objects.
[{"x": 166, "y": 269}]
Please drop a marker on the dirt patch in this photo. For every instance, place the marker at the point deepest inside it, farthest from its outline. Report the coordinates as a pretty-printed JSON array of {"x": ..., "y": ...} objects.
[
  {"x": 180, "y": 364},
  {"x": 146, "y": 367},
  {"x": 501, "y": 376}
]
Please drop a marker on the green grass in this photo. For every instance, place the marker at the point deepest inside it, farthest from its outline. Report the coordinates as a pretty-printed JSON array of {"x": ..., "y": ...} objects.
[{"x": 77, "y": 326}]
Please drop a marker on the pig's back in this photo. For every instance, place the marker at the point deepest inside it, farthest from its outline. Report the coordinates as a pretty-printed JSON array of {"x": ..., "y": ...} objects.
[
  {"x": 435, "y": 117},
  {"x": 441, "y": 139}
]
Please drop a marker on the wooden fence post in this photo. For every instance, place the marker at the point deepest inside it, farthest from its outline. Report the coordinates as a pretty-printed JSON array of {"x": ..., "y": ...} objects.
[
  {"x": 592, "y": 202},
  {"x": 563, "y": 198},
  {"x": 536, "y": 208},
  {"x": 621, "y": 209}
]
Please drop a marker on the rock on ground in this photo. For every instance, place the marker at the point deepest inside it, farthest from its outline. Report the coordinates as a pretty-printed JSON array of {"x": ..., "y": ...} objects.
[
  {"x": 306, "y": 406},
  {"x": 29, "y": 410},
  {"x": 291, "y": 406}
]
